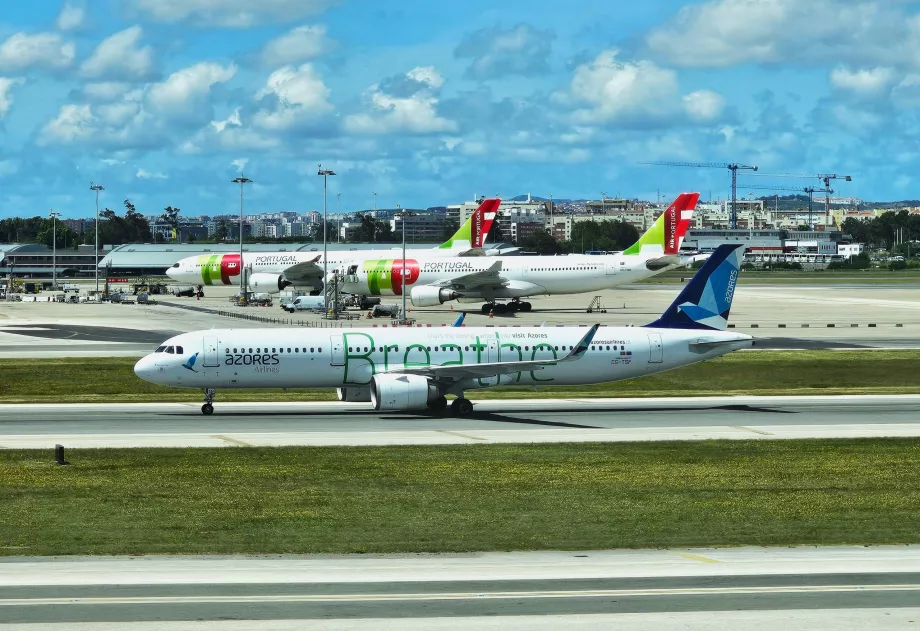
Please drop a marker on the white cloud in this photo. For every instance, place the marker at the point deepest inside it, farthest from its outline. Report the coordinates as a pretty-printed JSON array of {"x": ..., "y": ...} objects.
[
  {"x": 70, "y": 17},
  {"x": 143, "y": 174},
  {"x": 184, "y": 89},
  {"x": 299, "y": 44},
  {"x": 230, "y": 13},
  {"x": 105, "y": 90},
  {"x": 497, "y": 52},
  {"x": 704, "y": 105},
  {"x": 722, "y": 33},
  {"x": 240, "y": 163},
  {"x": 233, "y": 119},
  {"x": 22, "y": 51},
  {"x": 120, "y": 57},
  {"x": 73, "y": 123},
  {"x": 616, "y": 90},
  {"x": 299, "y": 94},
  {"x": 413, "y": 111},
  {"x": 863, "y": 82},
  {"x": 6, "y": 97}
]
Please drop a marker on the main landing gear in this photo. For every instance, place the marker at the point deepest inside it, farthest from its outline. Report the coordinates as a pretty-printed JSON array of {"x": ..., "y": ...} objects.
[
  {"x": 458, "y": 407},
  {"x": 499, "y": 307},
  {"x": 208, "y": 408}
]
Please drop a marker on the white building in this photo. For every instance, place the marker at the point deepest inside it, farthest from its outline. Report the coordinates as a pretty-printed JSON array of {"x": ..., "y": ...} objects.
[{"x": 850, "y": 249}]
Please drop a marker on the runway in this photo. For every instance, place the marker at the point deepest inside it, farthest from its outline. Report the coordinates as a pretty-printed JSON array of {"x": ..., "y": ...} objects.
[
  {"x": 40, "y": 426},
  {"x": 519, "y": 590}
]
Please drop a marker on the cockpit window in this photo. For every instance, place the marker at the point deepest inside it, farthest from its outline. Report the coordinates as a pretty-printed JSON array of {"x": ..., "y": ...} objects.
[
  {"x": 179, "y": 350},
  {"x": 160, "y": 349},
  {"x": 171, "y": 350},
  {"x": 176, "y": 265}
]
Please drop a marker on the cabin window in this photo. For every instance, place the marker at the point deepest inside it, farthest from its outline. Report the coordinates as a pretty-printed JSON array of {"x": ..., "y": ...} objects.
[
  {"x": 608, "y": 348},
  {"x": 556, "y": 348},
  {"x": 226, "y": 350},
  {"x": 319, "y": 350},
  {"x": 349, "y": 349},
  {"x": 428, "y": 348},
  {"x": 526, "y": 348},
  {"x": 297, "y": 350},
  {"x": 311, "y": 349},
  {"x": 250, "y": 350}
]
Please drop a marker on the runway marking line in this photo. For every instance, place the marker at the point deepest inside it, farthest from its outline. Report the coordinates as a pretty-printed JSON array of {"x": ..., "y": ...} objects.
[
  {"x": 751, "y": 429},
  {"x": 588, "y": 593},
  {"x": 234, "y": 441},
  {"x": 460, "y": 434},
  {"x": 694, "y": 557}
]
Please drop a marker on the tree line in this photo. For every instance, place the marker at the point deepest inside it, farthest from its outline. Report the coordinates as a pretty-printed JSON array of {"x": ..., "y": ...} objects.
[{"x": 882, "y": 231}]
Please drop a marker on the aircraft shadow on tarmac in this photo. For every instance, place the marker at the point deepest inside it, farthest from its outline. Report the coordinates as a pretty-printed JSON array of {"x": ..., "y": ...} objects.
[
  {"x": 504, "y": 418},
  {"x": 88, "y": 333}
]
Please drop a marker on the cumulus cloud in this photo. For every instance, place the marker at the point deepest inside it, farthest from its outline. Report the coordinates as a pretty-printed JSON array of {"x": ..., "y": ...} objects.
[
  {"x": 6, "y": 96},
  {"x": 407, "y": 103},
  {"x": 704, "y": 105},
  {"x": 22, "y": 51},
  {"x": 184, "y": 90},
  {"x": 230, "y": 13},
  {"x": 862, "y": 82},
  {"x": 144, "y": 174},
  {"x": 120, "y": 57},
  {"x": 71, "y": 17},
  {"x": 497, "y": 52},
  {"x": 105, "y": 90},
  {"x": 292, "y": 96},
  {"x": 299, "y": 44}
]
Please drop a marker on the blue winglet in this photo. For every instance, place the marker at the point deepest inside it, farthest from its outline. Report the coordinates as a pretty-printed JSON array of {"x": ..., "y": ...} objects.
[
  {"x": 582, "y": 347},
  {"x": 459, "y": 321},
  {"x": 707, "y": 299}
]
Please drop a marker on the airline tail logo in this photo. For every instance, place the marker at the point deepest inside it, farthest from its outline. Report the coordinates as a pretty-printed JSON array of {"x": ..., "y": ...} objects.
[
  {"x": 473, "y": 233},
  {"x": 667, "y": 234}
]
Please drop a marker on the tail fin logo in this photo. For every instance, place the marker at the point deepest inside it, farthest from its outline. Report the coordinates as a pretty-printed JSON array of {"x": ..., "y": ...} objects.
[{"x": 482, "y": 222}]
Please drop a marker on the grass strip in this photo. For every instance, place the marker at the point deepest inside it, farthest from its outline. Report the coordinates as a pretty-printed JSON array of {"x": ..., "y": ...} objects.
[
  {"x": 464, "y": 498},
  {"x": 91, "y": 380}
]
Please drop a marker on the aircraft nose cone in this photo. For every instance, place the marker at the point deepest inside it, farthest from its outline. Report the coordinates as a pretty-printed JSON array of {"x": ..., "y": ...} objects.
[
  {"x": 171, "y": 272},
  {"x": 144, "y": 368}
]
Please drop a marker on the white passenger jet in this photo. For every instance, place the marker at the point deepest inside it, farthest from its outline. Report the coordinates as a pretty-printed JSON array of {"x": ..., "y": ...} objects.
[
  {"x": 273, "y": 271},
  {"x": 433, "y": 282},
  {"x": 414, "y": 368}
]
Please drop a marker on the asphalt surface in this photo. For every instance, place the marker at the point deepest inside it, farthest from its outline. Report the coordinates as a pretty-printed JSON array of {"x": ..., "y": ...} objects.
[
  {"x": 509, "y": 420},
  {"x": 474, "y": 587}
]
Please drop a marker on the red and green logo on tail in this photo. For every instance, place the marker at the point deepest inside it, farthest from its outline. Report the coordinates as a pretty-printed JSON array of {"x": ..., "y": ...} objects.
[{"x": 668, "y": 232}]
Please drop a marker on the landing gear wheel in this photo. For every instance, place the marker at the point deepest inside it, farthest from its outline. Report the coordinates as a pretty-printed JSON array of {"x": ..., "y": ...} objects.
[
  {"x": 461, "y": 407},
  {"x": 486, "y": 308},
  {"x": 499, "y": 308},
  {"x": 439, "y": 404},
  {"x": 208, "y": 409},
  {"x": 526, "y": 306}
]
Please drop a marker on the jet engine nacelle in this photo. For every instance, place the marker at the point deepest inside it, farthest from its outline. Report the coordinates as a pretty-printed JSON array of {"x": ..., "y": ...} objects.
[
  {"x": 354, "y": 394},
  {"x": 268, "y": 283},
  {"x": 428, "y": 296},
  {"x": 402, "y": 392}
]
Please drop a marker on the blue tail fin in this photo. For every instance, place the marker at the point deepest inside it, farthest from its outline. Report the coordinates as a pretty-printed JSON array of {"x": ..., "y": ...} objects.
[
  {"x": 706, "y": 300},
  {"x": 459, "y": 320}
]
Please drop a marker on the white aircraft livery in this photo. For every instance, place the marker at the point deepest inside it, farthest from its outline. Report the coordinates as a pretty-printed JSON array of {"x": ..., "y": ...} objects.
[{"x": 413, "y": 368}]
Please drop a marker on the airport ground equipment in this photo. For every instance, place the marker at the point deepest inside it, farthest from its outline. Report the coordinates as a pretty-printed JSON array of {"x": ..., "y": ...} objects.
[{"x": 404, "y": 368}]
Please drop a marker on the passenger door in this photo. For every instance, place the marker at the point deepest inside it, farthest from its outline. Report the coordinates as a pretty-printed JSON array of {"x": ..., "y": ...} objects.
[
  {"x": 655, "y": 349},
  {"x": 210, "y": 352}
]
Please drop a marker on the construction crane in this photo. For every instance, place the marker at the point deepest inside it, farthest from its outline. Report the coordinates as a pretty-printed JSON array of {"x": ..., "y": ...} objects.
[
  {"x": 824, "y": 177},
  {"x": 808, "y": 189},
  {"x": 731, "y": 166}
]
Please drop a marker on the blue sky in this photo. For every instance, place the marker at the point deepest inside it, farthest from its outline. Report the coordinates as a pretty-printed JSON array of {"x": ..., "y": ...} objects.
[{"x": 427, "y": 103}]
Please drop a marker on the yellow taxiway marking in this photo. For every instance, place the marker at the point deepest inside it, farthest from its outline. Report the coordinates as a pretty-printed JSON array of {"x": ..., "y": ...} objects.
[
  {"x": 460, "y": 434},
  {"x": 576, "y": 593},
  {"x": 751, "y": 429},
  {"x": 231, "y": 440},
  {"x": 694, "y": 557}
]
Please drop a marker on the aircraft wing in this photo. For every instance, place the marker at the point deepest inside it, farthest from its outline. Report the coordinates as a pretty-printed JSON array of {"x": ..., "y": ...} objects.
[
  {"x": 477, "y": 280},
  {"x": 450, "y": 374},
  {"x": 304, "y": 270}
]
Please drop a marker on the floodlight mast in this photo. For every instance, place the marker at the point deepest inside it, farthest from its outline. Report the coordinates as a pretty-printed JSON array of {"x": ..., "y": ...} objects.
[
  {"x": 244, "y": 283},
  {"x": 96, "y": 188},
  {"x": 325, "y": 173}
]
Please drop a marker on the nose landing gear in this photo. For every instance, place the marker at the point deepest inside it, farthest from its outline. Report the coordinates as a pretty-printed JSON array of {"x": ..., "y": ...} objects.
[{"x": 207, "y": 409}]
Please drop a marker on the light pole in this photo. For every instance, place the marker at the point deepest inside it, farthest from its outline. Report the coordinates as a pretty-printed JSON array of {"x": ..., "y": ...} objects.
[
  {"x": 96, "y": 188},
  {"x": 244, "y": 286},
  {"x": 603, "y": 203},
  {"x": 54, "y": 217},
  {"x": 403, "y": 215},
  {"x": 375, "y": 204},
  {"x": 338, "y": 212},
  {"x": 325, "y": 173}
]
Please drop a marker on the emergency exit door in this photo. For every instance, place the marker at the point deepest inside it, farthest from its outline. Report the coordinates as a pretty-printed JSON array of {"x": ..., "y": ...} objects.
[
  {"x": 655, "y": 350},
  {"x": 338, "y": 351}
]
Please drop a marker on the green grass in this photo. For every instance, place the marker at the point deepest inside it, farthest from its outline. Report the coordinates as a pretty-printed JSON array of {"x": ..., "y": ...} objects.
[
  {"x": 465, "y": 498},
  {"x": 89, "y": 380}
]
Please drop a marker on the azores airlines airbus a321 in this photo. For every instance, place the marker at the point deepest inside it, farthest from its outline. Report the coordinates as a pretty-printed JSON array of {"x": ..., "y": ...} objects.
[
  {"x": 414, "y": 368},
  {"x": 273, "y": 271},
  {"x": 433, "y": 282}
]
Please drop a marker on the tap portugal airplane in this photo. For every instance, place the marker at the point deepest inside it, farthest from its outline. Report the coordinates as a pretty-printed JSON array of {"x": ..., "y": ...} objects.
[
  {"x": 414, "y": 368},
  {"x": 433, "y": 282},
  {"x": 273, "y": 271}
]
